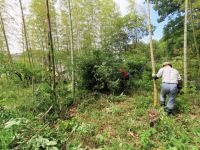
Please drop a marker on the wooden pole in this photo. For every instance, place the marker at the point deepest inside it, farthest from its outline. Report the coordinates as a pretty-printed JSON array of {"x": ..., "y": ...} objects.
[{"x": 152, "y": 53}]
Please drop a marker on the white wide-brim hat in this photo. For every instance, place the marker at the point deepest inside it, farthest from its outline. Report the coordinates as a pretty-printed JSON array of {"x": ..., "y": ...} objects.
[{"x": 166, "y": 63}]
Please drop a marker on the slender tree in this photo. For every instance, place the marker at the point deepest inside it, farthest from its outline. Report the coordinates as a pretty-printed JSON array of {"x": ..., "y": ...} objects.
[
  {"x": 51, "y": 52},
  {"x": 151, "y": 52},
  {"x": 71, "y": 49},
  {"x": 185, "y": 45},
  {"x": 195, "y": 36},
  {"x": 30, "y": 58},
  {"x": 6, "y": 41},
  {"x": 25, "y": 34}
]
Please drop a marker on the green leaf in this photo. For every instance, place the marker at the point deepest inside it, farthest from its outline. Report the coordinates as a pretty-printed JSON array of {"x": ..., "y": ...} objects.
[{"x": 12, "y": 122}]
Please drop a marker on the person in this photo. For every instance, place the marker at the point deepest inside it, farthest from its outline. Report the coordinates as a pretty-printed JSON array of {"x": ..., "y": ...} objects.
[
  {"x": 124, "y": 77},
  {"x": 170, "y": 84},
  {"x": 124, "y": 73}
]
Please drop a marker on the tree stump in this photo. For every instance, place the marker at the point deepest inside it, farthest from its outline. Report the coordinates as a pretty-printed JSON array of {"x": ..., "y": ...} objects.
[{"x": 153, "y": 117}]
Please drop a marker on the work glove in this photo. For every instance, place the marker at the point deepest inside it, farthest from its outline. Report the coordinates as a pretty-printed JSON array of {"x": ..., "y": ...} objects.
[
  {"x": 154, "y": 77},
  {"x": 180, "y": 84}
]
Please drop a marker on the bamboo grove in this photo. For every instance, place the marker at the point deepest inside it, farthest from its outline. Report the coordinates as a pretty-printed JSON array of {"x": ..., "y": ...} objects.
[{"x": 55, "y": 33}]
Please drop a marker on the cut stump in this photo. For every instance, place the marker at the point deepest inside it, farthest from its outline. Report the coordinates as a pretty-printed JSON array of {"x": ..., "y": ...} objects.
[{"x": 153, "y": 117}]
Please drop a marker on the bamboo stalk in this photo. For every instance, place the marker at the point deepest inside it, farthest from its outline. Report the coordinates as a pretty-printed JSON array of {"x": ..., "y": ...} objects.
[
  {"x": 30, "y": 57},
  {"x": 185, "y": 45},
  {"x": 6, "y": 41},
  {"x": 51, "y": 52},
  {"x": 25, "y": 34},
  {"x": 71, "y": 49},
  {"x": 195, "y": 37},
  {"x": 152, "y": 54}
]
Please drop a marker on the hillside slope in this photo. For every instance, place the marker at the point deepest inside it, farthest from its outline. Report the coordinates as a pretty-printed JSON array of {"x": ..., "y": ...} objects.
[{"x": 107, "y": 122}]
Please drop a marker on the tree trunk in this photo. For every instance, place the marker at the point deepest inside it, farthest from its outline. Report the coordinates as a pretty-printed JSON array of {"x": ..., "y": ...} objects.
[
  {"x": 30, "y": 58},
  {"x": 152, "y": 53},
  {"x": 6, "y": 41},
  {"x": 51, "y": 52},
  {"x": 71, "y": 49},
  {"x": 25, "y": 34},
  {"x": 195, "y": 37},
  {"x": 185, "y": 45}
]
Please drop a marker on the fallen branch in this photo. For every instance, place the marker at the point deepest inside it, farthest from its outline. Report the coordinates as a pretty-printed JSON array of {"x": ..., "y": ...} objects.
[{"x": 46, "y": 112}]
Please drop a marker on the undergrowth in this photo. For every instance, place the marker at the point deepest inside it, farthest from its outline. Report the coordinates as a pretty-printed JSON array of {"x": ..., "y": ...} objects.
[{"x": 105, "y": 122}]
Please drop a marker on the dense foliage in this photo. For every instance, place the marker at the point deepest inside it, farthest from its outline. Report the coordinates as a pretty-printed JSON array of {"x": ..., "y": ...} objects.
[
  {"x": 109, "y": 106},
  {"x": 100, "y": 71}
]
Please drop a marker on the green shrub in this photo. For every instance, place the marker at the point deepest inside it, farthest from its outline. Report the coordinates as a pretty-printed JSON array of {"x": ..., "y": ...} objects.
[
  {"x": 45, "y": 103},
  {"x": 99, "y": 72},
  {"x": 39, "y": 142},
  {"x": 145, "y": 138},
  {"x": 43, "y": 100}
]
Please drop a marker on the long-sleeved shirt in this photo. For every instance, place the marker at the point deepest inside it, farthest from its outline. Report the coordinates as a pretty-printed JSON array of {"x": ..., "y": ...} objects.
[{"x": 169, "y": 75}]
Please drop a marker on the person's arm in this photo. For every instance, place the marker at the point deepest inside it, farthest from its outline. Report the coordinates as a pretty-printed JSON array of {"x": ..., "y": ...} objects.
[{"x": 160, "y": 72}]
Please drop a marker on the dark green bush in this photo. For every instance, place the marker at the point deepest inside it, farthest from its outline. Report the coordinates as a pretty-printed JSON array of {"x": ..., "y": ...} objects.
[
  {"x": 99, "y": 71},
  {"x": 140, "y": 71}
]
